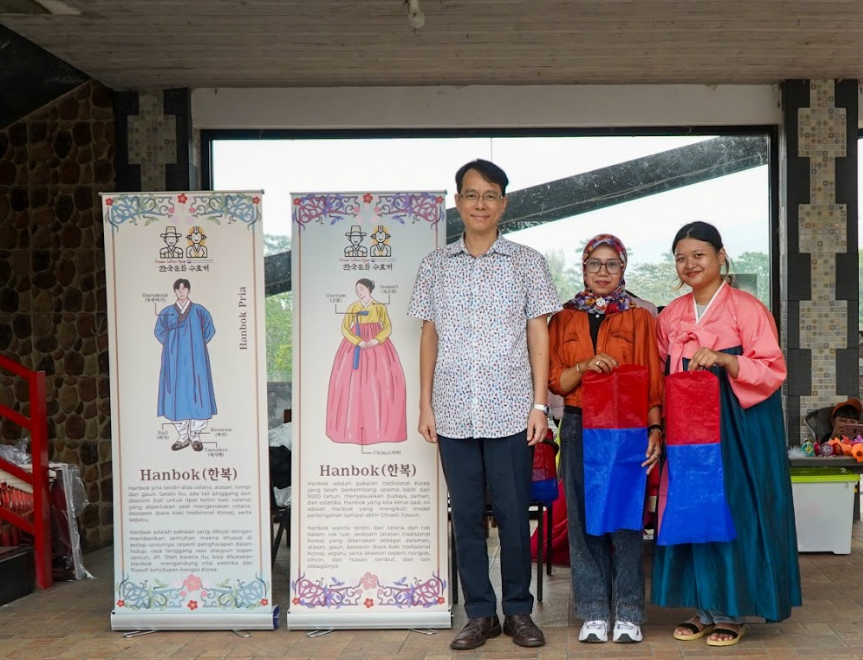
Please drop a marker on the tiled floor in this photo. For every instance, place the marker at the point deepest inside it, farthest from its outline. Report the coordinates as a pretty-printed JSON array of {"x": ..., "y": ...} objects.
[{"x": 71, "y": 621}]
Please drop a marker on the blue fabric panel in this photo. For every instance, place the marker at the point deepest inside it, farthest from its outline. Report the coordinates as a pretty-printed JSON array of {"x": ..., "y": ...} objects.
[
  {"x": 544, "y": 490},
  {"x": 614, "y": 481},
  {"x": 697, "y": 509}
]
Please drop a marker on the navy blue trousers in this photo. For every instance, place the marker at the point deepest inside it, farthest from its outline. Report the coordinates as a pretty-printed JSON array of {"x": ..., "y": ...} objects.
[{"x": 503, "y": 469}]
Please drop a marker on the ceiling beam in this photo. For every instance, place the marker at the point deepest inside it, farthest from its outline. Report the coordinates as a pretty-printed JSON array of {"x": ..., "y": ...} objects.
[
  {"x": 625, "y": 182},
  {"x": 30, "y": 77}
]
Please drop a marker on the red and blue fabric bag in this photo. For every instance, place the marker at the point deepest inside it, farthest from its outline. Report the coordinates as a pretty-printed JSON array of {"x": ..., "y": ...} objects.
[
  {"x": 543, "y": 486},
  {"x": 693, "y": 507},
  {"x": 615, "y": 442}
]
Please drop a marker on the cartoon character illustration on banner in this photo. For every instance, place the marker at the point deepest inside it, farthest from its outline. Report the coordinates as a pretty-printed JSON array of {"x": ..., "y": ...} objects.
[
  {"x": 381, "y": 247},
  {"x": 355, "y": 238},
  {"x": 197, "y": 249},
  {"x": 186, "y": 395},
  {"x": 171, "y": 251},
  {"x": 366, "y": 397}
]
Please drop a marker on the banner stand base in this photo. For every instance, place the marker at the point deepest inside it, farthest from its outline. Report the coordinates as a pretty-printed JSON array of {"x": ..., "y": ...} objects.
[
  {"x": 365, "y": 621},
  {"x": 149, "y": 622}
]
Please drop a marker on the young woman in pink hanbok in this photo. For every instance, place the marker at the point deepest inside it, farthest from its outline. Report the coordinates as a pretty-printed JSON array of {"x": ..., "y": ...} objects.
[
  {"x": 366, "y": 397},
  {"x": 733, "y": 335}
]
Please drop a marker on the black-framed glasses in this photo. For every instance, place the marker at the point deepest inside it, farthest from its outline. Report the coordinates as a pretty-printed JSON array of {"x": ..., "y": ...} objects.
[
  {"x": 488, "y": 198},
  {"x": 613, "y": 266}
]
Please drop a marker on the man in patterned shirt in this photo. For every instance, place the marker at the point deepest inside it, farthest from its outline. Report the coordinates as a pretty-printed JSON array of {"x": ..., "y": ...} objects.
[{"x": 484, "y": 303}]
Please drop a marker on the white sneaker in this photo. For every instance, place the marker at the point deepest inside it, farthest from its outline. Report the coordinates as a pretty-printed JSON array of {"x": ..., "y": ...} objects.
[
  {"x": 594, "y": 631},
  {"x": 626, "y": 632}
]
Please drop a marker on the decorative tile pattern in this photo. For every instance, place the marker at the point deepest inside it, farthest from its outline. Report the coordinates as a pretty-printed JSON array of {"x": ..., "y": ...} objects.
[
  {"x": 152, "y": 140},
  {"x": 823, "y": 228},
  {"x": 823, "y": 325},
  {"x": 821, "y": 127},
  {"x": 822, "y": 233}
]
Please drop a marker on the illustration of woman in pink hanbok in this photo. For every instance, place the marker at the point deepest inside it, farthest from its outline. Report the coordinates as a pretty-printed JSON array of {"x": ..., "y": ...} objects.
[{"x": 366, "y": 397}]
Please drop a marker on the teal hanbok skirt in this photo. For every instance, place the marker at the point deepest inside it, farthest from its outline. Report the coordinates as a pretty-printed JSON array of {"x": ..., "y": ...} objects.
[{"x": 756, "y": 574}]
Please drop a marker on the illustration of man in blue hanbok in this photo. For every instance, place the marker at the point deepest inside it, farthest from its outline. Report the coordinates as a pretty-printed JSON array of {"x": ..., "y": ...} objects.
[{"x": 186, "y": 394}]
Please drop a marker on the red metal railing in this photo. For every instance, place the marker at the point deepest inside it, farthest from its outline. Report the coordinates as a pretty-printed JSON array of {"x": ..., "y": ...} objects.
[{"x": 37, "y": 425}]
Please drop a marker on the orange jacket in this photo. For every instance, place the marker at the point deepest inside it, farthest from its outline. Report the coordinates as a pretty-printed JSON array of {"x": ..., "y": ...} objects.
[{"x": 629, "y": 337}]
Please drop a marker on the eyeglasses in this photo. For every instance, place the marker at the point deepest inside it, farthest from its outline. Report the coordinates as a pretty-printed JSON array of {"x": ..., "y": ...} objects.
[
  {"x": 488, "y": 198},
  {"x": 613, "y": 266}
]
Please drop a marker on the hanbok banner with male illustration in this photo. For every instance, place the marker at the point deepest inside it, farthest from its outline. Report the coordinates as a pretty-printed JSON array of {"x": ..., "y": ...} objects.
[
  {"x": 185, "y": 299},
  {"x": 368, "y": 542}
]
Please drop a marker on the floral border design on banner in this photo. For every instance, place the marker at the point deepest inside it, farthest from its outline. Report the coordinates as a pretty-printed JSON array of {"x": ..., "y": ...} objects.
[
  {"x": 193, "y": 593},
  {"x": 337, "y": 594},
  {"x": 317, "y": 208},
  {"x": 233, "y": 207},
  {"x": 133, "y": 208},
  {"x": 402, "y": 593},
  {"x": 421, "y": 207},
  {"x": 318, "y": 594}
]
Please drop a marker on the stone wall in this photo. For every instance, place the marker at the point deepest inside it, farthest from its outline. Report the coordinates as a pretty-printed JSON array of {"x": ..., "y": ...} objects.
[{"x": 53, "y": 165}]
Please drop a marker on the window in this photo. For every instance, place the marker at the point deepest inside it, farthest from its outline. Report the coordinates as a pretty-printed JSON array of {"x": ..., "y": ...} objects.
[{"x": 563, "y": 190}]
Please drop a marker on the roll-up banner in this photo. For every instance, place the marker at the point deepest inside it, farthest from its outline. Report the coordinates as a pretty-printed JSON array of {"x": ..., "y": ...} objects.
[
  {"x": 369, "y": 535},
  {"x": 185, "y": 294}
]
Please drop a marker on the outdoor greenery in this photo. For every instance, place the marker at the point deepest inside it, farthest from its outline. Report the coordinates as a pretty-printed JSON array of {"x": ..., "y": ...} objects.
[
  {"x": 279, "y": 320},
  {"x": 657, "y": 281}
]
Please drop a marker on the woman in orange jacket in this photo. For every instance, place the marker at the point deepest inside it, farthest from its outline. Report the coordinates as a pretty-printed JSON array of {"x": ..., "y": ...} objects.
[{"x": 599, "y": 329}]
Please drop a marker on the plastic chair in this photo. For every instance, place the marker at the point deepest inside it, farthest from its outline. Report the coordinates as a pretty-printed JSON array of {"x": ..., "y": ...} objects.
[
  {"x": 820, "y": 423},
  {"x": 282, "y": 516}
]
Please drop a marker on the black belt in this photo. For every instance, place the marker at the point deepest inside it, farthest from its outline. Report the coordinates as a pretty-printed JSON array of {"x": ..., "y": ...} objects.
[{"x": 572, "y": 410}]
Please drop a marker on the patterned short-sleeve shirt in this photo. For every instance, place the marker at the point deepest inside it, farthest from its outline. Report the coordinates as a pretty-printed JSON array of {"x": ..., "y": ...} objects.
[{"x": 480, "y": 306}]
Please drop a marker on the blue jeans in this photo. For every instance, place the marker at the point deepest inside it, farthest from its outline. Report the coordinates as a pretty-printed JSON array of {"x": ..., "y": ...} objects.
[
  {"x": 607, "y": 571},
  {"x": 708, "y": 617}
]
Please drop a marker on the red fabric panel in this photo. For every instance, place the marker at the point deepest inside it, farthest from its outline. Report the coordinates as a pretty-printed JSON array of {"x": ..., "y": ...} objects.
[
  {"x": 544, "y": 461},
  {"x": 617, "y": 400},
  {"x": 691, "y": 408}
]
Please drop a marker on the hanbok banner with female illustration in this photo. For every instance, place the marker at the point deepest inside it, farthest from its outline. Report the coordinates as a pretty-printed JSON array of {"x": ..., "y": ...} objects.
[
  {"x": 369, "y": 545},
  {"x": 188, "y": 411}
]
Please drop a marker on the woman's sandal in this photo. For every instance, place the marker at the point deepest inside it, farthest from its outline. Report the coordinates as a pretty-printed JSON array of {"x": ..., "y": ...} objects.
[
  {"x": 697, "y": 633},
  {"x": 726, "y": 631}
]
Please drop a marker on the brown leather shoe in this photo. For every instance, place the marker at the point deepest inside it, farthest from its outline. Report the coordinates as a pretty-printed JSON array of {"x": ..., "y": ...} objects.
[
  {"x": 474, "y": 634},
  {"x": 523, "y": 630}
]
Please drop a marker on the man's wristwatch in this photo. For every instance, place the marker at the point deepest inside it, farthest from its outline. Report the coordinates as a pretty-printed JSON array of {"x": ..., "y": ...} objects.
[{"x": 539, "y": 406}]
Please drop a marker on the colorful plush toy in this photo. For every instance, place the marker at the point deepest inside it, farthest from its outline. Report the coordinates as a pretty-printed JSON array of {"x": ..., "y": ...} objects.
[{"x": 844, "y": 446}]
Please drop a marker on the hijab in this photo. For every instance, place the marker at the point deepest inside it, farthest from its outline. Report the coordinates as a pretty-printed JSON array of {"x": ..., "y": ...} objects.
[{"x": 616, "y": 301}]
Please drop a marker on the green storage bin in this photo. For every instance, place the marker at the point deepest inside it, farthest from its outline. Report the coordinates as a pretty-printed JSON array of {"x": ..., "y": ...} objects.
[{"x": 810, "y": 475}]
